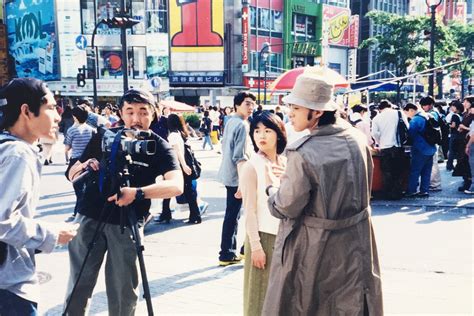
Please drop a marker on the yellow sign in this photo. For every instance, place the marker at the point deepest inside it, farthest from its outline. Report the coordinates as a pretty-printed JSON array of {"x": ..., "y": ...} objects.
[{"x": 337, "y": 26}]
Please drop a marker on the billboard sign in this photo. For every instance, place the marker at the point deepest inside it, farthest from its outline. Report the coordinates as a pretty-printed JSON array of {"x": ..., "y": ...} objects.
[
  {"x": 32, "y": 38},
  {"x": 196, "y": 42},
  {"x": 245, "y": 38},
  {"x": 337, "y": 24}
]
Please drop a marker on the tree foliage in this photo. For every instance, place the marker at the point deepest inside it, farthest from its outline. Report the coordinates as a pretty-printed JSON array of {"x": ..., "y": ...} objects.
[{"x": 405, "y": 39}]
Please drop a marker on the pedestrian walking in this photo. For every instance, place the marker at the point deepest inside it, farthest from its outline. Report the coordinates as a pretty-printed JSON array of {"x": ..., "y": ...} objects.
[
  {"x": 75, "y": 141},
  {"x": 205, "y": 129},
  {"x": 325, "y": 258},
  {"x": 268, "y": 136},
  {"x": 236, "y": 151},
  {"x": 27, "y": 112}
]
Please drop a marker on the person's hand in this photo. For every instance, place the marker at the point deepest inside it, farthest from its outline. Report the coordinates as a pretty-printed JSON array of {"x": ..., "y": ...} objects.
[
  {"x": 187, "y": 170},
  {"x": 468, "y": 150},
  {"x": 258, "y": 259},
  {"x": 238, "y": 194},
  {"x": 279, "y": 168},
  {"x": 270, "y": 177},
  {"x": 91, "y": 163},
  {"x": 67, "y": 233},
  {"x": 127, "y": 196}
]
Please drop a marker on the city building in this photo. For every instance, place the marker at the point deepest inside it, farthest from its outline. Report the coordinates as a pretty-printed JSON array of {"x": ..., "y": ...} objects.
[
  {"x": 366, "y": 61},
  {"x": 55, "y": 40}
]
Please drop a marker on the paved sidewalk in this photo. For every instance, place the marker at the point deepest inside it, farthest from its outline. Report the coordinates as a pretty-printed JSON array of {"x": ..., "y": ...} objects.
[{"x": 426, "y": 254}]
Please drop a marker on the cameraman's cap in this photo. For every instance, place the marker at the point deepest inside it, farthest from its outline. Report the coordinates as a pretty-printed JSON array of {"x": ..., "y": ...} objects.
[
  {"x": 138, "y": 96},
  {"x": 20, "y": 91}
]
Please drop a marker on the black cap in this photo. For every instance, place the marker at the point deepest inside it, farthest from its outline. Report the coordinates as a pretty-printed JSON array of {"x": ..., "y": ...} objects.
[
  {"x": 17, "y": 92},
  {"x": 137, "y": 96}
]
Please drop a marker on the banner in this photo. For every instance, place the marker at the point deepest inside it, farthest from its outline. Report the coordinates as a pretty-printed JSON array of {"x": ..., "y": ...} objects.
[
  {"x": 338, "y": 20},
  {"x": 32, "y": 38},
  {"x": 245, "y": 38},
  {"x": 196, "y": 42}
]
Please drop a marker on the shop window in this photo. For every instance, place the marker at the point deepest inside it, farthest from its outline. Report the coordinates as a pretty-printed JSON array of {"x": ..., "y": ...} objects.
[
  {"x": 87, "y": 13},
  {"x": 110, "y": 62},
  {"x": 156, "y": 15}
]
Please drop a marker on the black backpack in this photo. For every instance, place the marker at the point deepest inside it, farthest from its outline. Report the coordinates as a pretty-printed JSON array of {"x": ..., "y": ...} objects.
[
  {"x": 354, "y": 123},
  {"x": 402, "y": 131},
  {"x": 192, "y": 162},
  {"x": 432, "y": 133}
]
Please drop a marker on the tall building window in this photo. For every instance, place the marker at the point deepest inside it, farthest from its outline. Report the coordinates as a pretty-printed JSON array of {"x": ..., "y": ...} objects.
[
  {"x": 274, "y": 62},
  {"x": 268, "y": 22},
  {"x": 110, "y": 62},
  {"x": 93, "y": 11},
  {"x": 156, "y": 15},
  {"x": 303, "y": 27}
]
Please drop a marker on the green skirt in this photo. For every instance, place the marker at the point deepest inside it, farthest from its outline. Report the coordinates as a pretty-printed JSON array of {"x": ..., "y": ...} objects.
[{"x": 256, "y": 280}]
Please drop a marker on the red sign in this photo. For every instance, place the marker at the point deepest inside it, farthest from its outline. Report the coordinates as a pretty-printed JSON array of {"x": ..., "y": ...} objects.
[
  {"x": 252, "y": 82},
  {"x": 336, "y": 21},
  {"x": 245, "y": 38},
  {"x": 354, "y": 31}
]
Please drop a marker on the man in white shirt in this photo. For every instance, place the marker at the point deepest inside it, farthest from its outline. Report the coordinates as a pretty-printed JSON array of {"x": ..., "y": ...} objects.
[{"x": 384, "y": 131}]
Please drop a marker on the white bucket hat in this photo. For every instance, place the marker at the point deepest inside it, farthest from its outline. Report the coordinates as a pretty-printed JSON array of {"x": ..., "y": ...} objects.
[{"x": 313, "y": 92}]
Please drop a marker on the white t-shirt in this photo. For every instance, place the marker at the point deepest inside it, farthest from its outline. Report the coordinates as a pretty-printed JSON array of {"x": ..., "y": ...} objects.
[{"x": 175, "y": 138}]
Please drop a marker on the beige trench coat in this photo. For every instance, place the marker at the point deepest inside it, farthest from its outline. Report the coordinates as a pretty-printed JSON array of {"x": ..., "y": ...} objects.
[{"x": 325, "y": 259}]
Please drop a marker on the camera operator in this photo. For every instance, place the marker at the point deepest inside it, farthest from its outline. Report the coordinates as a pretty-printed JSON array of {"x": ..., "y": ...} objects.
[
  {"x": 27, "y": 112},
  {"x": 121, "y": 270}
]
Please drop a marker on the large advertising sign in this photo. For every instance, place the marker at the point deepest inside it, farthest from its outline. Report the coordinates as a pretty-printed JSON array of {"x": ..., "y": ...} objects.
[
  {"x": 338, "y": 21},
  {"x": 196, "y": 42},
  {"x": 72, "y": 54},
  {"x": 157, "y": 59},
  {"x": 32, "y": 38},
  {"x": 245, "y": 38}
]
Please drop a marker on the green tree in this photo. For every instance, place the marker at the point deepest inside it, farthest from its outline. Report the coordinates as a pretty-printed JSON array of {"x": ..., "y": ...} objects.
[
  {"x": 403, "y": 40},
  {"x": 463, "y": 35}
]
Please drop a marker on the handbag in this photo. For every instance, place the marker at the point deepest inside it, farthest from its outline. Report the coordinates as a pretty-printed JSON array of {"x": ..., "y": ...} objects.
[{"x": 192, "y": 162}]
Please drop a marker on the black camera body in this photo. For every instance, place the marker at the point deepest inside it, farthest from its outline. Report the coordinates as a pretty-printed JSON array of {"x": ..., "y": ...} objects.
[{"x": 131, "y": 142}]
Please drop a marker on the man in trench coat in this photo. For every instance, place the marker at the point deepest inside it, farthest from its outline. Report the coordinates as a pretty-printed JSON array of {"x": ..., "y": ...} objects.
[{"x": 325, "y": 260}]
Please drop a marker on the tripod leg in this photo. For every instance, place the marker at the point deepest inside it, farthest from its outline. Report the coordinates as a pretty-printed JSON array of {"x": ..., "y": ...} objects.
[{"x": 139, "y": 247}]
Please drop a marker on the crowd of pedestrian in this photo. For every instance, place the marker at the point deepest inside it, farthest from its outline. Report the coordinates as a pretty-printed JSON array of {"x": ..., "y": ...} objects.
[{"x": 305, "y": 188}]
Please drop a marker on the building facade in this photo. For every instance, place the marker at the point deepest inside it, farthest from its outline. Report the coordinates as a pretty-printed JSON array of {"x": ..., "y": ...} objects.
[{"x": 366, "y": 61}]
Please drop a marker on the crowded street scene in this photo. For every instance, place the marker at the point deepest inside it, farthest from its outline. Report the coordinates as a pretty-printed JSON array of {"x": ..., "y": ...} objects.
[{"x": 254, "y": 157}]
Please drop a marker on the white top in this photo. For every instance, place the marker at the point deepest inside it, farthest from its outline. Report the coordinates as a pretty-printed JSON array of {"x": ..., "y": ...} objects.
[
  {"x": 214, "y": 116},
  {"x": 266, "y": 222},
  {"x": 175, "y": 138},
  {"x": 363, "y": 126},
  {"x": 384, "y": 128}
]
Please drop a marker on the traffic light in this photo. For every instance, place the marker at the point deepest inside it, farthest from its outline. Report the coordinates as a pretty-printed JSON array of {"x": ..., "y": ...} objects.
[
  {"x": 120, "y": 22},
  {"x": 81, "y": 77}
]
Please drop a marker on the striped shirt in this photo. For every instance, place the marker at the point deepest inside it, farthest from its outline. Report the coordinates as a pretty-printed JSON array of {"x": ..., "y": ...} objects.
[{"x": 77, "y": 137}]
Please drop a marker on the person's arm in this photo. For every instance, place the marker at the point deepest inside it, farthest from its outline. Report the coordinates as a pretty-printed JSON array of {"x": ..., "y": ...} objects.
[
  {"x": 375, "y": 131},
  {"x": 248, "y": 185},
  {"x": 295, "y": 189},
  {"x": 16, "y": 229}
]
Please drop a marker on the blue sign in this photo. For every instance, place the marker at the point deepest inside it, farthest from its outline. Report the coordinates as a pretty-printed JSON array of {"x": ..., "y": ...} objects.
[
  {"x": 81, "y": 42},
  {"x": 196, "y": 80},
  {"x": 32, "y": 41}
]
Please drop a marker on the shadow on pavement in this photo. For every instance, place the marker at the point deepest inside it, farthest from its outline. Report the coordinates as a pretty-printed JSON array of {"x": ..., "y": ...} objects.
[{"x": 157, "y": 288}]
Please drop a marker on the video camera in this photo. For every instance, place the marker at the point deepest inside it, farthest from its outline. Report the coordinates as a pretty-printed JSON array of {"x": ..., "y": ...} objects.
[{"x": 131, "y": 142}]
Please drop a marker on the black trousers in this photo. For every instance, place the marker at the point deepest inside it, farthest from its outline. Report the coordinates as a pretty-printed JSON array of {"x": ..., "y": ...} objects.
[{"x": 393, "y": 163}]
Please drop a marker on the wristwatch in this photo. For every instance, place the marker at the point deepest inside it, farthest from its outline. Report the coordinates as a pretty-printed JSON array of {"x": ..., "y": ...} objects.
[{"x": 140, "y": 195}]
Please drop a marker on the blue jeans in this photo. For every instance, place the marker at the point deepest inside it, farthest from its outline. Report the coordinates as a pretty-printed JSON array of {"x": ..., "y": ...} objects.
[
  {"x": 13, "y": 305},
  {"x": 451, "y": 152},
  {"x": 229, "y": 227},
  {"x": 420, "y": 166},
  {"x": 207, "y": 140}
]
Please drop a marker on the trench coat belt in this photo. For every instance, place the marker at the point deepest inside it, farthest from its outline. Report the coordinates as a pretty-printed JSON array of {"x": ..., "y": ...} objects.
[
  {"x": 327, "y": 224},
  {"x": 331, "y": 224}
]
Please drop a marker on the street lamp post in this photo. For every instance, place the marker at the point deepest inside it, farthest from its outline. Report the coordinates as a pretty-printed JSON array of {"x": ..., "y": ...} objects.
[
  {"x": 265, "y": 64},
  {"x": 432, "y": 4},
  {"x": 263, "y": 53}
]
